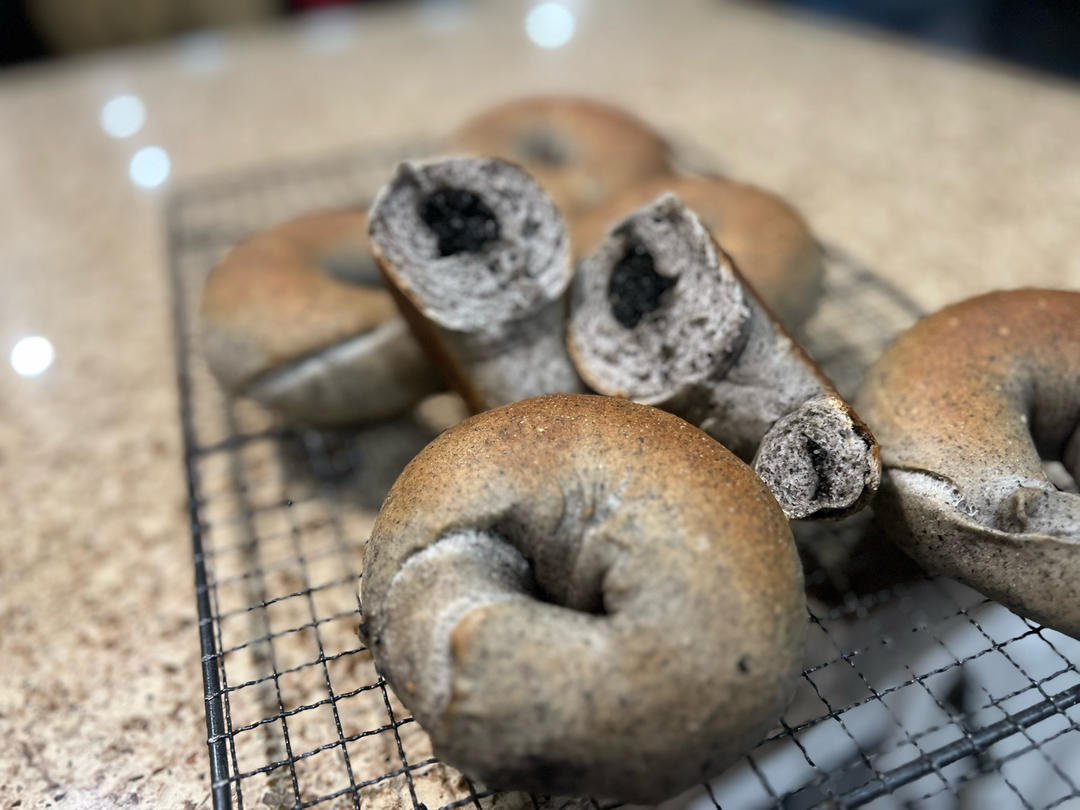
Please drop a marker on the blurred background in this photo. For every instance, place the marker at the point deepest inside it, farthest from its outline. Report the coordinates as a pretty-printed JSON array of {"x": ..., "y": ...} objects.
[{"x": 1042, "y": 34}]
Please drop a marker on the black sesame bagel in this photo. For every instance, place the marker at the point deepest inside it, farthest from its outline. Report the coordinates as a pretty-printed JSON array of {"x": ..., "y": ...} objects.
[
  {"x": 967, "y": 404},
  {"x": 296, "y": 318},
  {"x": 660, "y": 314},
  {"x": 582, "y": 595},
  {"x": 479, "y": 262},
  {"x": 769, "y": 240},
  {"x": 581, "y": 151}
]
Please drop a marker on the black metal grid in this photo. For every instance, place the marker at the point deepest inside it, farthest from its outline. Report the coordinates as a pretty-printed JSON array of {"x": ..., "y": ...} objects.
[{"x": 917, "y": 691}]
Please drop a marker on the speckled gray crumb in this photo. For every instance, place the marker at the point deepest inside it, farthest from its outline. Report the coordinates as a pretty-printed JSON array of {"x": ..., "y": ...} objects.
[
  {"x": 495, "y": 312},
  {"x": 711, "y": 353},
  {"x": 817, "y": 456},
  {"x": 679, "y": 347}
]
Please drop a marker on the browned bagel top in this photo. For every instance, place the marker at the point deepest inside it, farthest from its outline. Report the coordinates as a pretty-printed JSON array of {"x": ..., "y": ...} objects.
[
  {"x": 530, "y": 442},
  {"x": 977, "y": 392},
  {"x": 285, "y": 293}
]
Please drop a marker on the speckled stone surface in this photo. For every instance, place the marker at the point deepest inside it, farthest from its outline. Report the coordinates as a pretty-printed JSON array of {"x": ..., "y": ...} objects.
[{"x": 950, "y": 177}]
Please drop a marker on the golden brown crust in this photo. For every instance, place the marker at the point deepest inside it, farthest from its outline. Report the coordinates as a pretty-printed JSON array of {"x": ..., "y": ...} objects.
[
  {"x": 768, "y": 239},
  {"x": 952, "y": 394},
  {"x": 678, "y": 621},
  {"x": 327, "y": 234},
  {"x": 270, "y": 300},
  {"x": 602, "y": 148}
]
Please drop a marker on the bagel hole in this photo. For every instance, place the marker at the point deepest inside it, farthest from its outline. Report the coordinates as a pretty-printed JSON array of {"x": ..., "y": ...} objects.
[
  {"x": 593, "y": 607},
  {"x": 635, "y": 289},
  {"x": 461, "y": 221},
  {"x": 544, "y": 147},
  {"x": 589, "y": 600},
  {"x": 557, "y": 579}
]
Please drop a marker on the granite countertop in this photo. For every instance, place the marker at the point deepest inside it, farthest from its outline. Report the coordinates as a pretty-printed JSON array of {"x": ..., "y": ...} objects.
[{"x": 949, "y": 176}]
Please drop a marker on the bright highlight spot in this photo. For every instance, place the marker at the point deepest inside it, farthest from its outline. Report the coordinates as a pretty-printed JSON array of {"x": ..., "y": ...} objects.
[
  {"x": 149, "y": 167},
  {"x": 31, "y": 356},
  {"x": 550, "y": 25},
  {"x": 123, "y": 116}
]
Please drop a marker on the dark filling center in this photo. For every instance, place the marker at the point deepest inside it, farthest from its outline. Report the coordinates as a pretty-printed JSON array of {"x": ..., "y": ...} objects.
[
  {"x": 635, "y": 288},
  {"x": 818, "y": 459},
  {"x": 460, "y": 220}
]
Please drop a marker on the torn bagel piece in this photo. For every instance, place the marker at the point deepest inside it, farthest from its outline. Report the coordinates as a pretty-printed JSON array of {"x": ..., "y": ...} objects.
[
  {"x": 660, "y": 315},
  {"x": 479, "y": 262},
  {"x": 769, "y": 240}
]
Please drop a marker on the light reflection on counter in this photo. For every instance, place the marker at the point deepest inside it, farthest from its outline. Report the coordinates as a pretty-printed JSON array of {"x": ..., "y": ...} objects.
[
  {"x": 550, "y": 25},
  {"x": 149, "y": 167},
  {"x": 122, "y": 116},
  {"x": 32, "y": 355}
]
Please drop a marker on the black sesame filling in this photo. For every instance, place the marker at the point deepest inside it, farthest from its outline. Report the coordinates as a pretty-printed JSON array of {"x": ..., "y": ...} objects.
[
  {"x": 819, "y": 461},
  {"x": 635, "y": 288},
  {"x": 460, "y": 220}
]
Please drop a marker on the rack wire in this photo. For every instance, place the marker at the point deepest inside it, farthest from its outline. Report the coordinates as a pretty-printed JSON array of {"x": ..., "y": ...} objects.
[{"x": 917, "y": 691}]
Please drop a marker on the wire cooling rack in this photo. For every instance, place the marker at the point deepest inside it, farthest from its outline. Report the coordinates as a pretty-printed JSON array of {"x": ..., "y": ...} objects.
[{"x": 917, "y": 692}]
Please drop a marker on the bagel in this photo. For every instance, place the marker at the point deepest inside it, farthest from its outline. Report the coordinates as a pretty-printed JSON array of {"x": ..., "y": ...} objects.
[
  {"x": 768, "y": 240},
  {"x": 659, "y": 314},
  {"x": 967, "y": 404},
  {"x": 580, "y": 151},
  {"x": 479, "y": 261},
  {"x": 582, "y": 595},
  {"x": 297, "y": 319}
]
